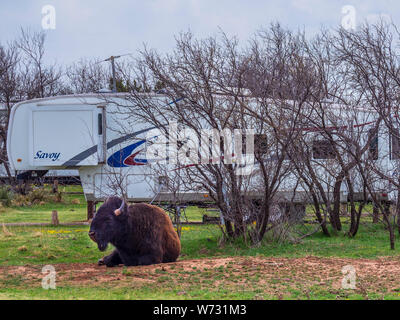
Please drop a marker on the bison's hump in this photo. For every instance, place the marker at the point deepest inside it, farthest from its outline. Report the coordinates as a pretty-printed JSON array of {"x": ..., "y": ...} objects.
[{"x": 147, "y": 210}]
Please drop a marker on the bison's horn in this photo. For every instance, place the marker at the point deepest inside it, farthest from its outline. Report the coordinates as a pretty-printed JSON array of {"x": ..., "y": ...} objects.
[{"x": 119, "y": 210}]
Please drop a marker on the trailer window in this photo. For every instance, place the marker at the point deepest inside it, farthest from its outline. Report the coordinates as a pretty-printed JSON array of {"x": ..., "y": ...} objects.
[
  {"x": 323, "y": 149},
  {"x": 260, "y": 144},
  {"x": 100, "y": 124},
  {"x": 395, "y": 146},
  {"x": 373, "y": 145},
  {"x": 163, "y": 183}
]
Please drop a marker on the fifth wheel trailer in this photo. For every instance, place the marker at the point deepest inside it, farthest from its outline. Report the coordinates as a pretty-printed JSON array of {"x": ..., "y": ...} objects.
[{"x": 82, "y": 132}]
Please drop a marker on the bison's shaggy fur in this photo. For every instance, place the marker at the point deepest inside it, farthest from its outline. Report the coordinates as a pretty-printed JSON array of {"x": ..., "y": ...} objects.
[{"x": 142, "y": 234}]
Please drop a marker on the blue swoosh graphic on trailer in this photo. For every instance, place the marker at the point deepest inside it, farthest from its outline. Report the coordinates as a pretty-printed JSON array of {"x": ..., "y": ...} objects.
[
  {"x": 73, "y": 162},
  {"x": 117, "y": 159}
]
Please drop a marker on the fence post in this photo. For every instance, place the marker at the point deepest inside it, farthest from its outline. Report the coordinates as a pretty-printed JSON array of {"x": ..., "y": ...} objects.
[
  {"x": 54, "y": 218},
  {"x": 55, "y": 186},
  {"x": 343, "y": 208},
  {"x": 90, "y": 210}
]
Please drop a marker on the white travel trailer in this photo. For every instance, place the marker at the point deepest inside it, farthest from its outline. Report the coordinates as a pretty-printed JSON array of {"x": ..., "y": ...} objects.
[{"x": 82, "y": 132}]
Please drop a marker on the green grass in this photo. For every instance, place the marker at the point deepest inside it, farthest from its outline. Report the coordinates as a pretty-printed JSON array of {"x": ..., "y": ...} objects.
[
  {"x": 37, "y": 213},
  {"x": 47, "y": 245},
  {"x": 42, "y": 213},
  {"x": 196, "y": 214},
  {"x": 69, "y": 212},
  {"x": 71, "y": 245},
  {"x": 371, "y": 242},
  {"x": 143, "y": 292}
]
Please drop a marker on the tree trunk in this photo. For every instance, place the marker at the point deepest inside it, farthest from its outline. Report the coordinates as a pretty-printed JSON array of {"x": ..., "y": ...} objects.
[
  {"x": 375, "y": 214},
  {"x": 264, "y": 212},
  {"x": 355, "y": 219},
  {"x": 229, "y": 228},
  {"x": 90, "y": 210},
  {"x": 354, "y": 215},
  {"x": 398, "y": 210},
  {"x": 319, "y": 216},
  {"x": 335, "y": 216},
  {"x": 386, "y": 215}
]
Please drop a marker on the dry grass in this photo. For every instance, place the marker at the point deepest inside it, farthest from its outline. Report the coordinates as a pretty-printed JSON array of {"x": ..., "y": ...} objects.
[
  {"x": 7, "y": 233},
  {"x": 75, "y": 201}
]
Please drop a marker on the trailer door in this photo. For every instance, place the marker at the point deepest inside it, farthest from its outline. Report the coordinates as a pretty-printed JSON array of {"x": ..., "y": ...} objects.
[{"x": 65, "y": 136}]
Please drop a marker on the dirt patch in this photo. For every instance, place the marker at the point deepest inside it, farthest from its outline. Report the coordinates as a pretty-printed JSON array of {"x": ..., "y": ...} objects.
[{"x": 271, "y": 276}]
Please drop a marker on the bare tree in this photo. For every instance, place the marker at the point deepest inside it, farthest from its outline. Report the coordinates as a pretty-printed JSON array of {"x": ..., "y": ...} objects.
[
  {"x": 206, "y": 86},
  {"x": 87, "y": 76},
  {"x": 372, "y": 65},
  {"x": 24, "y": 75},
  {"x": 9, "y": 90},
  {"x": 38, "y": 79}
]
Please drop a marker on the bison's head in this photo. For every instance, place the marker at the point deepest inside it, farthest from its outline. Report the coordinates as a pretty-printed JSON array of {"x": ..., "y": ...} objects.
[{"x": 106, "y": 224}]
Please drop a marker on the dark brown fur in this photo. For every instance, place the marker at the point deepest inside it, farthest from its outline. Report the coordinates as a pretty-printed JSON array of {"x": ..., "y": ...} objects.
[
  {"x": 142, "y": 234},
  {"x": 150, "y": 218}
]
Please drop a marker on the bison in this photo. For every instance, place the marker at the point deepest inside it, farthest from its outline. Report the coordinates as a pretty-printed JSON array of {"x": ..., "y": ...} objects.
[{"x": 141, "y": 233}]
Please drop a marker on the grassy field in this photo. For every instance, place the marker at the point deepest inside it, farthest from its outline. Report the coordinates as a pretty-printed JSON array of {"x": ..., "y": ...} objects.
[
  {"x": 207, "y": 267},
  {"x": 71, "y": 209}
]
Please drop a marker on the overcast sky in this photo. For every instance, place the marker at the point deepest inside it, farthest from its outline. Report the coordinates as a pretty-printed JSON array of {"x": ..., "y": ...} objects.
[{"x": 100, "y": 28}]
